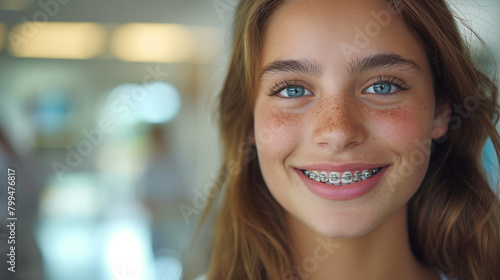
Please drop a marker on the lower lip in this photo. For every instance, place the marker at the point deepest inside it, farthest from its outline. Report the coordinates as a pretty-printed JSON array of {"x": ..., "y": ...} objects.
[{"x": 346, "y": 192}]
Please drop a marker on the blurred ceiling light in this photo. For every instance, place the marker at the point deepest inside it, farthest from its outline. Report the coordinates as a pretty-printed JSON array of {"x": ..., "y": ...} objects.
[
  {"x": 15, "y": 5},
  {"x": 3, "y": 30},
  {"x": 157, "y": 102},
  {"x": 122, "y": 101},
  {"x": 161, "y": 103},
  {"x": 148, "y": 42},
  {"x": 64, "y": 40}
]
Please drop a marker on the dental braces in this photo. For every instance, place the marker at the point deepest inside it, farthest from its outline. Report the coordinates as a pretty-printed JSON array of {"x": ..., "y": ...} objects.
[{"x": 336, "y": 179}]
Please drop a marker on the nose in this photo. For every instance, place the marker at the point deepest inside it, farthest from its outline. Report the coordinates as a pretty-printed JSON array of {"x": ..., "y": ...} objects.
[{"x": 338, "y": 124}]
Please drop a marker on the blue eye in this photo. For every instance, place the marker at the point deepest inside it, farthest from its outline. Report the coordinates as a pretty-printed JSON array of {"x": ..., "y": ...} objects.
[
  {"x": 383, "y": 88},
  {"x": 294, "y": 92},
  {"x": 289, "y": 89}
]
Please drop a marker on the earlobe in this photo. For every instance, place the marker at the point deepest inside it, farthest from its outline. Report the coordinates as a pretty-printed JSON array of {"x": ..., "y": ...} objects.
[{"x": 441, "y": 119}]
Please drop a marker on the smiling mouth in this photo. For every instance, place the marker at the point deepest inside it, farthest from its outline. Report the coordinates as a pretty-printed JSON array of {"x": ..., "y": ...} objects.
[{"x": 334, "y": 178}]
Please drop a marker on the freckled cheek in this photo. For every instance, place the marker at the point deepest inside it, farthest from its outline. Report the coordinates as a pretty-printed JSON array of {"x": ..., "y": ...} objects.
[
  {"x": 400, "y": 127},
  {"x": 277, "y": 133},
  {"x": 405, "y": 133}
]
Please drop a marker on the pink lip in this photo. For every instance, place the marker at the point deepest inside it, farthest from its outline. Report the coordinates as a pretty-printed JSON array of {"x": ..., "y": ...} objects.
[{"x": 346, "y": 192}]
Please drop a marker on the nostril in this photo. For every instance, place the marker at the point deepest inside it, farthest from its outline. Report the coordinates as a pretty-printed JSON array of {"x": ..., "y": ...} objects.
[
  {"x": 339, "y": 138},
  {"x": 338, "y": 123}
]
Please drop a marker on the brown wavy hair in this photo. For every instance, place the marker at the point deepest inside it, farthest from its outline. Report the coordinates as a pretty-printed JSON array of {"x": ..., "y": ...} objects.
[{"x": 453, "y": 219}]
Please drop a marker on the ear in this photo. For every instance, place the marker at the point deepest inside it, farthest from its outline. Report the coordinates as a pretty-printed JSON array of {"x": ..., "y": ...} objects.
[{"x": 441, "y": 119}]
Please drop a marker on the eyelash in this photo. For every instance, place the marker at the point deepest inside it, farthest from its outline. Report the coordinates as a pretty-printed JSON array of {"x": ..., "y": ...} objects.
[
  {"x": 280, "y": 86},
  {"x": 390, "y": 79}
]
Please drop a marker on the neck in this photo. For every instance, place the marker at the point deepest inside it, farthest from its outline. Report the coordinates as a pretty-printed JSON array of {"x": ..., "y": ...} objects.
[{"x": 384, "y": 253}]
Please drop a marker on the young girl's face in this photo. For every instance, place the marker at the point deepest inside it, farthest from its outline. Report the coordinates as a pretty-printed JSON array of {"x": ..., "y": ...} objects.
[{"x": 344, "y": 114}]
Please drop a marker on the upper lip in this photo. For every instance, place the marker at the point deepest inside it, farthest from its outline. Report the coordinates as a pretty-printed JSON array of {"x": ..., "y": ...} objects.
[{"x": 341, "y": 167}]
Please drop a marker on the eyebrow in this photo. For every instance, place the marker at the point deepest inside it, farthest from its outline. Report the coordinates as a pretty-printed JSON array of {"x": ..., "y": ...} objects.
[
  {"x": 380, "y": 61},
  {"x": 304, "y": 66}
]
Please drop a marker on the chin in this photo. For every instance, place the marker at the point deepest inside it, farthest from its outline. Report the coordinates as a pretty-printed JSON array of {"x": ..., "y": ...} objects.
[
  {"x": 343, "y": 225},
  {"x": 344, "y": 232}
]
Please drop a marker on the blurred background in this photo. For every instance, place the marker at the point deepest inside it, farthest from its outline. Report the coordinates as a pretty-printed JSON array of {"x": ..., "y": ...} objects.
[{"x": 106, "y": 114}]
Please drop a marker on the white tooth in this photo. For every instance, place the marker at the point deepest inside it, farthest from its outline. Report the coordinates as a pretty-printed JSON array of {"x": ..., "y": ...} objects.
[
  {"x": 347, "y": 177},
  {"x": 334, "y": 178},
  {"x": 357, "y": 176},
  {"x": 315, "y": 175},
  {"x": 323, "y": 177},
  {"x": 366, "y": 174}
]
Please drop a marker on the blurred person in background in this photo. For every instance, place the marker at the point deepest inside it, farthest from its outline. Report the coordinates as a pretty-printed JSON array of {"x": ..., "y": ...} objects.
[{"x": 162, "y": 189}]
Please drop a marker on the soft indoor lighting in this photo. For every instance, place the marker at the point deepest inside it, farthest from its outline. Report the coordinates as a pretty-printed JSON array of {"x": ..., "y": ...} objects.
[
  {"x": 208, "y": 42},
  {"x": 156, "y": 102},
  {"x": 66, "y": 40},
  {"x": 161, "y": 103},
  {"x": 3, "y": 30},
  {"x": 128, "y": 253},
  {"x": 15, "y": 5},
  {"x": 148, "y": 42}
]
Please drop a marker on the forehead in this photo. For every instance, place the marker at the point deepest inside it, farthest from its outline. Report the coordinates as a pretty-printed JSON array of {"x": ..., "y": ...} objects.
[{"x": 337, "y": 29}]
